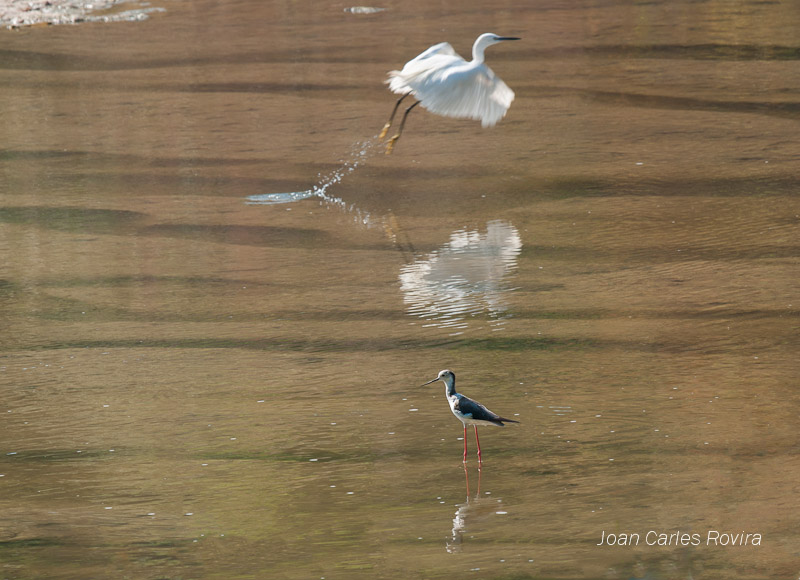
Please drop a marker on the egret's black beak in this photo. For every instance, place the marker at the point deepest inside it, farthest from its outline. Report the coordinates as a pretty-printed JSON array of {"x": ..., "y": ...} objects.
[
  {"x": 508, "y": 38},
  {"x": 429, "y": 382}
]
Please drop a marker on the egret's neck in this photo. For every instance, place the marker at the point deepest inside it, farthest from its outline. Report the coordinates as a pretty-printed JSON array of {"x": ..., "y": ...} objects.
[{"x": 478, "y": 52}]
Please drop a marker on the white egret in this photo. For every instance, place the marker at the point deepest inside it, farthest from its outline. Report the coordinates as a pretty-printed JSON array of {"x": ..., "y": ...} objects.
[{"x": 446, "y": 84}]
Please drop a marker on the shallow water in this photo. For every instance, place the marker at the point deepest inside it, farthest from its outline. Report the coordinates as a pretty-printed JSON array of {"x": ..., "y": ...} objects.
[{"x": 199, "y": 385}]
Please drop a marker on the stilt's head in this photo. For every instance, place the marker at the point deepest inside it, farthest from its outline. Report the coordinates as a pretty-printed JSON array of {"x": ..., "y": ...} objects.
[
  {"x": 447, "y": 376},
  {"x": 486, "y": 40}
]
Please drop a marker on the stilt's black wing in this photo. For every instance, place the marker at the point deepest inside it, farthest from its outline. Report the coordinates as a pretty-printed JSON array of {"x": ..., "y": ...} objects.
[{"x": 478, "y": 412}]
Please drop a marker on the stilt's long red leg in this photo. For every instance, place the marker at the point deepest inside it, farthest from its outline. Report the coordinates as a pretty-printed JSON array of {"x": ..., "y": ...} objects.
[
  {"x": 465, "y": 442},
  {"x": 478, "y": 443}
]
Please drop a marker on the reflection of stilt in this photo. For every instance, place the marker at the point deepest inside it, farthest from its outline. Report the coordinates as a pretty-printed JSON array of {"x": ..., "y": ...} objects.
[
  {"x": 453, "y": 545},
  {"x": 478, "y": 443},
  {"x": 466, "y": 479}
]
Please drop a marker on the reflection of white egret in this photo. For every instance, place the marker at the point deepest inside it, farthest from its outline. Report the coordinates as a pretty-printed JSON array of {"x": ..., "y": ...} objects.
[
  {"x": 463, "y": 277},
  {"x": 446, "y": 84}
]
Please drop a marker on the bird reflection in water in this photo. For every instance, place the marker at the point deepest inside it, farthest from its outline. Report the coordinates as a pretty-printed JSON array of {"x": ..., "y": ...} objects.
[
  {"x": 463, "y": 278},
  {"x": 474, "y": 509}
]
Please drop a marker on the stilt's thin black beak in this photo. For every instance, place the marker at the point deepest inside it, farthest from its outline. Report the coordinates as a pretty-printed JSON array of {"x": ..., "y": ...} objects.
[{"x": 429, "y": 382}]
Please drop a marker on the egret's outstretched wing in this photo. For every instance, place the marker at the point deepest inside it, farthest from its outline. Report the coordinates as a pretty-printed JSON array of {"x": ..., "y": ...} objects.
[
  {"x": 469, "y": 92},
  {"x": 402, "y": 81},
  {"x": 441, "y": 48}
]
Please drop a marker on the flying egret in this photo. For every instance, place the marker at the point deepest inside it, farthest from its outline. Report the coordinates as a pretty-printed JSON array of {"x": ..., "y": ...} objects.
[
  {"x": 446, "y": 84},
  {"x": 467, "y": 411}
]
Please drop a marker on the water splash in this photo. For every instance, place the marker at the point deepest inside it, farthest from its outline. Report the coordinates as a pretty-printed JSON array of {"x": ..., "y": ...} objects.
[{"x": 359, "y": 153}]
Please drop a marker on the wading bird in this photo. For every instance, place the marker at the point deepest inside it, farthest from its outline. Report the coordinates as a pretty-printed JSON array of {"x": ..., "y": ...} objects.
[
  {"x": 446, "y": 84},
  {"x": 467, "y": 411}
]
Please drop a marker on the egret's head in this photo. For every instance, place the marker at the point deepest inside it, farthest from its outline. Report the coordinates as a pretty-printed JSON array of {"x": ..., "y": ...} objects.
[
  {"x": 492, "y": 38},
  {"x": 485, "y": 40}
]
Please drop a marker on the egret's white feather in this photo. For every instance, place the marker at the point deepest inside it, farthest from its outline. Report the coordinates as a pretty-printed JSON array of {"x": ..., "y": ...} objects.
[{"x": 398, "y": 80}]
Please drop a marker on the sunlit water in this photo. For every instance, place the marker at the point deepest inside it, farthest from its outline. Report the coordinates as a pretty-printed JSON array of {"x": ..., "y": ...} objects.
[{"x": 204, "y": 377}]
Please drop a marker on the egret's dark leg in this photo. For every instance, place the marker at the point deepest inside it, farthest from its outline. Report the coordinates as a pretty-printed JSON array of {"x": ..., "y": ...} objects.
[
  {"x": 391, "y": 117},
  {"x": 390, "y": 145},
  {"x": 478, "y": 443},
  {"x": 465, "y": 443}
]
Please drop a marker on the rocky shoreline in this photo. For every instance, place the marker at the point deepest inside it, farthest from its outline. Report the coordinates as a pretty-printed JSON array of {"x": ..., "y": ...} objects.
[{"x": 21, "y": 13}]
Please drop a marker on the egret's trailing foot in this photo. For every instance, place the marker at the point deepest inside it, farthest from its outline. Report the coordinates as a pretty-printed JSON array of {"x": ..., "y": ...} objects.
[
  {"x": 391, "y": 117},
  {"x": 390, "y": 144}
]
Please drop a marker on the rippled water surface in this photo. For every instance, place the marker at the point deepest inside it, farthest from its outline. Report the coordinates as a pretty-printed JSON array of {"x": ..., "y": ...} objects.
[{"x": 219, "y": 297}]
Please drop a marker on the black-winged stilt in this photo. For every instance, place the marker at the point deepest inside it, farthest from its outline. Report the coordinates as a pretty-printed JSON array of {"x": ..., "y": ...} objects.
[{"x": 467, "y": 411}]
